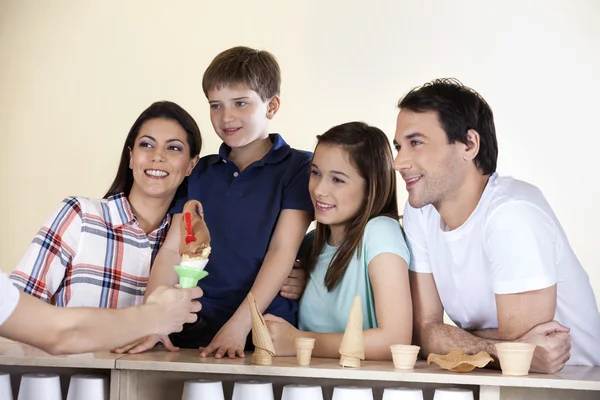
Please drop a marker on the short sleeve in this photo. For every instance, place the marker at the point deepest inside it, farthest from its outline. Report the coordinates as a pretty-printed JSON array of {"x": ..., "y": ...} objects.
[
  {"x": 43, "y": 267},
  {"x": 9, "y": 298},
  {"x": 295, "y": 193},
  {"x": 384, "y": 235},
  {"x": 521, "y": 243},
  {"x": 414, "y": 229}
]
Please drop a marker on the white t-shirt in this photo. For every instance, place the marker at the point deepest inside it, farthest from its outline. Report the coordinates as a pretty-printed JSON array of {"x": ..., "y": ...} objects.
[
  {"x": 9, "y": 297},
  {"x": 511, "y": 243}
]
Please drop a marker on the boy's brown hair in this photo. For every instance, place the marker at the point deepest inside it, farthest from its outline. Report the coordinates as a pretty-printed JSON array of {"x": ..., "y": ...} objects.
[{"x": 257, "y": 69}]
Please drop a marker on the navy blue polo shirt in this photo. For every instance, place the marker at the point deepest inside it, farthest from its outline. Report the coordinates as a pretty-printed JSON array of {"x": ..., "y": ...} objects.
[{"x": 241, "y": 210}]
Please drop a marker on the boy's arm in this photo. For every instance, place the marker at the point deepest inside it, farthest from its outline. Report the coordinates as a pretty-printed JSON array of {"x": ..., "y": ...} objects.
[
  {"x": 78, "y": 330},
  {"x": 283, "y": 247},
  {"x": 162, "y": 273}
]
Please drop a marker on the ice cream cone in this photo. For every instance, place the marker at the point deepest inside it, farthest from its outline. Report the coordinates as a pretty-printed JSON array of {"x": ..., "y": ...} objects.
[
  {"x": 352, "y": 349},
  {"x": 404, "y": 356},
  {"x": 195, "y": 237},
  {"x": 261, "y": 338},
  {"x": 304, "y": 348}
]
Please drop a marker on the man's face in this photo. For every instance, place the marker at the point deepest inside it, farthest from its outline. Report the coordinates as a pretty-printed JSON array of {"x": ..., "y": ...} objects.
[{"x": 430, "y": 166}]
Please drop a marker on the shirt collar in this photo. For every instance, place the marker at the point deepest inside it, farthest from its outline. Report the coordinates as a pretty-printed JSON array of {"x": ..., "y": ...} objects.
[
  {"x": 121, "y": 213},
  {"x": 276, "y": 153}
]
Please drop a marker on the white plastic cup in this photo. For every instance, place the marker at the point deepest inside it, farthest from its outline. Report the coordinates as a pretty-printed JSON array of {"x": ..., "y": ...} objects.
[
  {"x": 453, "y": 394},
  {"x": 88, "y": 387},
  {"x": 5, "y": 387},
  {"x": 302, "y": 392},
  {"x": 253, "y": 390},
  {"x": 352, "y": 393},
  {"x": 40, "y": 387},
  {"x": 200, "y": 389},
  {"x": 402, "y": 393}
]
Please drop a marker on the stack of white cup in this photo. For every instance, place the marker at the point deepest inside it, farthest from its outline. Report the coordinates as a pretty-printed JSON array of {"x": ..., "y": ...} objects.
[
  {"x": 88, "y": 387},
  {"x": 252, "y": 390},
  {"x": 5, "y": 388},
  {"x": 402, "y": 393},
  {"x": 200, "y": 389},
  {"x": 352, "y": 393},
  {"x": 453, "y": 394},
  {"x": 302, "y": 392},
  {"x": 40, "y": 387}
]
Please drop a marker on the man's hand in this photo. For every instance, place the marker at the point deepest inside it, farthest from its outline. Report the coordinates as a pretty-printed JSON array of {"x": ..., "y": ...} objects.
[
  {"x": 145, "y": 344},
  {"x": 553, "y": 347},
  {"x": 283, "y": 334},
  {"x": 229, "y": 341},
  {"x": 293, "y": 287},
  {"x": 175, "y": 307}
]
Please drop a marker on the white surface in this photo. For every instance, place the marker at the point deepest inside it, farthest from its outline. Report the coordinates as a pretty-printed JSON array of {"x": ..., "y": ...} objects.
[
  {"x": 402, "y": 394},
  {"x": 40, "y": 387},
  {"x": 5, "y": 387},
  {"x": 200, "y": 389},
  {"x": 352, "y": 393},
  {"x": 302, "y": 392},
  {"x": 88, "y": 387},
  {"x": 252, "y": 390},
  {"x": 453, "y": 394}
]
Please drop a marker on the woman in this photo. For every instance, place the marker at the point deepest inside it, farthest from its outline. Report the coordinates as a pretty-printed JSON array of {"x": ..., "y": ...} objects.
[
  {"x": 358, "y": 248},
  {"x": 98, "y": 252}
]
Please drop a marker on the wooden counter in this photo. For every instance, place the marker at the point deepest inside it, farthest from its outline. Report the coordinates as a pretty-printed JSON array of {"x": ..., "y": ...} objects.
[{"x": 160, "y": 375}]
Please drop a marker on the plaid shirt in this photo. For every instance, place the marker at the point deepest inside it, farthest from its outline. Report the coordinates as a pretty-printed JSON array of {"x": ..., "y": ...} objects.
[{"x": 90, "y": 253}]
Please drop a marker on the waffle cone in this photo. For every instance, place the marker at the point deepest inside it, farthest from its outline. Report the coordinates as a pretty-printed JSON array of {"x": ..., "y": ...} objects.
[
  {"x": 194, "y": 249},
  {"x": 261, "y": 338},
  {"x": 352, "y": 348},
  {"x": 457, "y": 361}
]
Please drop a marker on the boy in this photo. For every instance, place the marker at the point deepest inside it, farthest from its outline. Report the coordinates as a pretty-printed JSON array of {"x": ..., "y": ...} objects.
[{"x": 256, "y": 205}]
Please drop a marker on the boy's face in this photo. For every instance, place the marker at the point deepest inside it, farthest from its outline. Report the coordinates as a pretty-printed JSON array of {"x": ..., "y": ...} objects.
[
  {"x": 430, "y": 166},
  {"x": 239, "y": 116}
]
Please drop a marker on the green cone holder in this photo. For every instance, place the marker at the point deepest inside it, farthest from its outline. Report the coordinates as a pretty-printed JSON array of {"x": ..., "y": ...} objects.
[{"x": 189, "y": 276}]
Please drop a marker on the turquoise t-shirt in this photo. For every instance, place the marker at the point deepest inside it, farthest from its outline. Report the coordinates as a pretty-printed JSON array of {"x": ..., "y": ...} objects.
[{"x": 327, "y": 312}]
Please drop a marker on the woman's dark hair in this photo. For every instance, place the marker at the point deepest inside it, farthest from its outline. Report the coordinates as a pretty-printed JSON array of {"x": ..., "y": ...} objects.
[
  {"x": 161, "y": 109},
  {"x": 371, "y": 154},
  {"x": 459, "y": 109}
]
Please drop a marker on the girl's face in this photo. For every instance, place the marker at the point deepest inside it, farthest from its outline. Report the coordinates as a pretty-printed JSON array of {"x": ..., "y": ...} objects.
[
  {"x": 160, "y": 158},
  {"x": 336, "y": 188}
]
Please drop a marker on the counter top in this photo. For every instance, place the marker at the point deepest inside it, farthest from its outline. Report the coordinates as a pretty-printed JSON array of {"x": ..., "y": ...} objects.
[
  {"x": 579, "y": 378},
  {"x": 24, "y": 355},
  {"x": 574, "y": 378}
]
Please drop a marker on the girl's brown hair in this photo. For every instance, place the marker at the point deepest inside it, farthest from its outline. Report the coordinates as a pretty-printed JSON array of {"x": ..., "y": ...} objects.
[{"x": 371, "y": 154}]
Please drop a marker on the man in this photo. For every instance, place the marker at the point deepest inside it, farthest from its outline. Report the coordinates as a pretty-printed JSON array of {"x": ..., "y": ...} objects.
[
  {"x": 79, "y": 330},
  {"x": 486, "y": 249}
]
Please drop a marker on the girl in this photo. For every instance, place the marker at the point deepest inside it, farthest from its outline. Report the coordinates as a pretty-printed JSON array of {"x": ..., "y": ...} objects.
[
  {"x": 98, "y": 252},
  {"x": 358, "y": 248}
]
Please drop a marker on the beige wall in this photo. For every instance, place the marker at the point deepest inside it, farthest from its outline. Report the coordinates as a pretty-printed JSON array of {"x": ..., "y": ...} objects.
[{"x": 75, "y": 74}]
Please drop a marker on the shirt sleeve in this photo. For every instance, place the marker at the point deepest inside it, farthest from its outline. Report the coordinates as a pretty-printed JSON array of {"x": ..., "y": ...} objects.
[
  {"x": 9, "y": 298},
  {"x": 521, "y": 242},
  {"x": 43, "y": 267},
  {"x": 413, "y": 221},
  {"x": 295, "y": 194},
  {"x": 384, "y": 235}
]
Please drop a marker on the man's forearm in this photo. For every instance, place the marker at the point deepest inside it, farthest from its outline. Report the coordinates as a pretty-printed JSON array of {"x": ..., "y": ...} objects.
[
  {"x": 441, "y": 338},
  {"x": 76, "y": 330},
  {"x": 486, "y": 334},
  {"x": 89, "y": 329}
]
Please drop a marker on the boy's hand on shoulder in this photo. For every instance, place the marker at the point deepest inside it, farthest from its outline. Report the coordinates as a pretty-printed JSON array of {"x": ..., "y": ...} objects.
[
  {"x": 283, "y": 334},
  {"x": 294, "y": 285},
  {"x": 229, "y": 341}
]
